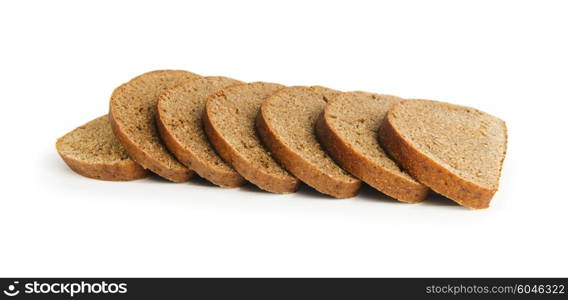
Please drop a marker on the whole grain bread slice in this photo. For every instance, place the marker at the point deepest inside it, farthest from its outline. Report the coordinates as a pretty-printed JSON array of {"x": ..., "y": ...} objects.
[
  {"x": 179, "y": 118},
  {"x": 93, "y": 151},
  {"x": 348, "y": 130},
  {"x": 229, "y": 121},
  {"x": 286, "y": 124},
  {"x": 457, "y": 151},
  {"x": 132, "y": 115}
]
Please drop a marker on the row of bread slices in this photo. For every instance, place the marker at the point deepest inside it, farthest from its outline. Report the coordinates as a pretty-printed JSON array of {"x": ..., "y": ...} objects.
[{"x": 175, "y": 123}]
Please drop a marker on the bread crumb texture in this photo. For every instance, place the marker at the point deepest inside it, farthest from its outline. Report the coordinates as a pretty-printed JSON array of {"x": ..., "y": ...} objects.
[
  {"x": 287, "y": 125},
  {"x": 133, "y": 112},
  {"x": 349, "y": 131},
  {"x": 457, "y": 151},
  {"x": 180, "y": 111},
  {"x": 92, "y": 150},
  {"x": 356, "y": 117},
  {"x": 230, "y": 124}
]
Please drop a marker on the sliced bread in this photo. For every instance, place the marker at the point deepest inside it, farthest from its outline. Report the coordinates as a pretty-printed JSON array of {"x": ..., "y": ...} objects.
[
  {"x": 179, "y": 118},
  {"x": 132, "y": 115},
  {"x": 457, "y": 151},
  {"x": 93, "y": 151},
  {"x": 229, "y": 122},
  {"x": 286, "y": 124},
  {"x": 348, "y": 130}
]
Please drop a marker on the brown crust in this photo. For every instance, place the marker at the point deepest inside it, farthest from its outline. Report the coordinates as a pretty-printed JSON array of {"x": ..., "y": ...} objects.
[
  {"x": 141, "y": 157},
  {"x": 138, "y": 154},
  {"x": 119, "y": 171},
  {"x": 218, "y": 177},
  {"x": 382, "y": 179},
  {"x": 429, "y": 172},
  {"x": 246, "y": 168},
  {"x": 301, "y": 168}
]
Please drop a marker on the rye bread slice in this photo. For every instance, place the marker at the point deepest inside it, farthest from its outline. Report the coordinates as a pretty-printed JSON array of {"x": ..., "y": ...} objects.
[
  {"x": 132, "y": 115},
  {"x": 348, "y": 130},
  {"x": 286, "y": 125},
  {"x": 457, "y": 151},
  {"x": 93, "y": 151},
  {"x": 179, "y": 118},
  {"x": 229, "y": 122}
]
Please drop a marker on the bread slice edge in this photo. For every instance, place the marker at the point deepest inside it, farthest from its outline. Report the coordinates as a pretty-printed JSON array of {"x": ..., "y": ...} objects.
[
  {"x": 217, "y": 177},
  {"x": 299, "y": 167},
  {"x": 429, "y": 172},
  {"x": 125, "y": 170},
  {"x": 242, "y": 165},
  {"x": 361, "y": 167},
  {"x": 147, "y": 161}
]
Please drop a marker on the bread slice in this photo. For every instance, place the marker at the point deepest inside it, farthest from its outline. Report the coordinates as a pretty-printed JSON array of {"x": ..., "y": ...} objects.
[
  {"x": 179, "y": 118},
  {"x": 229, "y": 122},
  {"x": 92, "y": 150},
  {"x": 132, "y": 115},
  {"x": 286, "y": 125},
  {"x": 348, "y": 130},
  {"x": 457, "y": 151}
]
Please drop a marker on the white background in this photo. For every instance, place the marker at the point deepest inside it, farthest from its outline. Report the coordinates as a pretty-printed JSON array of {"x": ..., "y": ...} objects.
[{"x": 60, "y": 61}]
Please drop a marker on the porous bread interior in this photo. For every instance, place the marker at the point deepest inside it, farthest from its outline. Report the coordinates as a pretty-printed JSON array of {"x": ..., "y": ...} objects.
[
  {"x": 233, "y": 112},
  {"x": 327, "y": 93},
  {"x": 356, "y": 117},
  {"x": 134, "y": 108},
  {"x": 93, "y": 142},
  {"x": 467, "y": 141},
  {"x": 292, "y": 114},
  {"x": 181, "y": 109}
]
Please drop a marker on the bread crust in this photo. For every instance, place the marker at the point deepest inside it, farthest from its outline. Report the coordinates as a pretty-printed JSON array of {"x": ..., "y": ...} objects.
[
  {"x": 427, "y": 171},
  {"x": 245, "y": 167},
  {"x": 136, "y": 152},
  {"x": 368, "y": 171},
  {"x": 216, "y": 176},
  {"x": 301, "y": 168}
]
